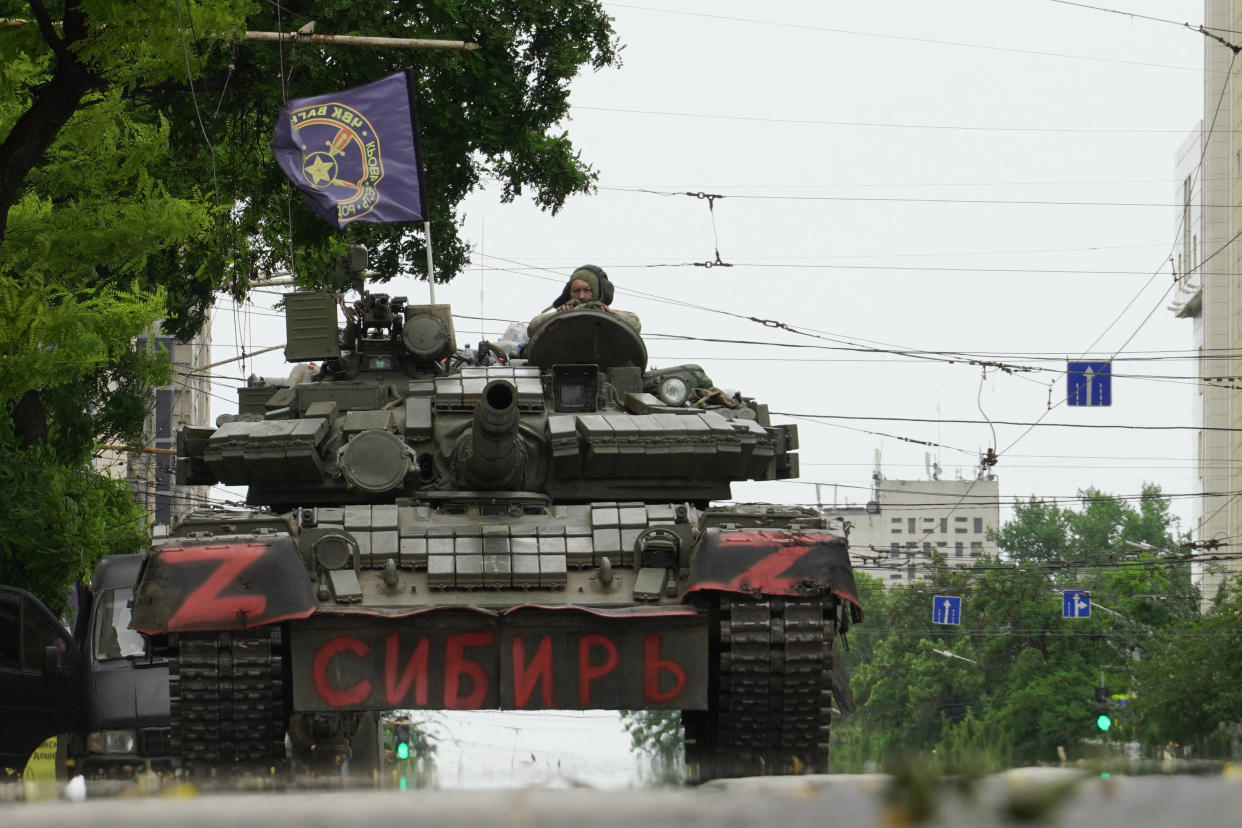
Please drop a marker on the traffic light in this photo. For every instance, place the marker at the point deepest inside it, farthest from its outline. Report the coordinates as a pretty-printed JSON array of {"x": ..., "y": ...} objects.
[
  {"x": 1103, "y": 698},
  {"x": 401, "y": 738}
]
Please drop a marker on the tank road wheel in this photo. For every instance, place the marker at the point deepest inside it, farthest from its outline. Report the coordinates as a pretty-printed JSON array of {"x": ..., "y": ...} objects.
[
  {"x": 228, "y": 700},
  {"x": 769, "y": 689}
]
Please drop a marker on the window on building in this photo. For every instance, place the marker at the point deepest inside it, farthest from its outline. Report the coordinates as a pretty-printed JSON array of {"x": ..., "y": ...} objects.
[
  {"x": 958, "y": 549},
  {"x": 944, "y": 526},
  {"x": 896, "y": 576},
  {"x": 928, "y": 523},
  {"x": 910, "y": 526},
  {"x": 979, "y": 525},
  {"x": 959, "y": 525},
  {"x": 927, "y": 548},
  {"x": 976, "y": 549},
  {"x": 896, "y": 526},
  {"x": 894, "y": 548}
]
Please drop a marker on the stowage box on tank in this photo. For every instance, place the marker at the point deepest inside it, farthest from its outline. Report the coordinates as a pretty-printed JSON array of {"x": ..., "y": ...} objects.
[{"x": 429, "y": 530}]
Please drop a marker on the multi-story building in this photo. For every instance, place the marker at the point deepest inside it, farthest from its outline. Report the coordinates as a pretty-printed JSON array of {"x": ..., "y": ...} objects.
[
  {"x": 907, "y": 522},
  {"x": 1203, "y": 295},
  {"x": 185, "y": 399},
  {"x": 1209, "y": 252}
]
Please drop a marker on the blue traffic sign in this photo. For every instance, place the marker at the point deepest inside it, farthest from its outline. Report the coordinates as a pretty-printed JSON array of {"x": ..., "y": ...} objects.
[
  {"x": 946, "y": 609},
  {"x": 1075, "y": 603},
  {"x": 1089, "y": 383}
]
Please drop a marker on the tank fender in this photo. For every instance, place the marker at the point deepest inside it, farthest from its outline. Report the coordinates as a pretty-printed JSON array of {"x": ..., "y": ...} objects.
[
  {"x": 772, "y": 562},
  {"x": 221, "y": 584}
]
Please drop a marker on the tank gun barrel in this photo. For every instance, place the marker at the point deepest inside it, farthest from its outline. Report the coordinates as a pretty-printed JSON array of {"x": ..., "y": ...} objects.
[{"x": 492, "y": 454}]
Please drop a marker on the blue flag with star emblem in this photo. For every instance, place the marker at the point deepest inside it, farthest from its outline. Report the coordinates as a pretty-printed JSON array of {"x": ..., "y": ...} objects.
[{"x": 354, "y": 154}]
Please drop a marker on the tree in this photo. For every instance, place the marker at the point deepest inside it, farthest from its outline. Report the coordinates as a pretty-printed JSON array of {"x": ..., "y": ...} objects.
[
  {"x": 1032, "y": 684},
  {"x": 658, "y": 734},
  {"x": 135, "y": 80},
  {"x": 70, "y": 376},
  {"x": 1190, "y": 683}
]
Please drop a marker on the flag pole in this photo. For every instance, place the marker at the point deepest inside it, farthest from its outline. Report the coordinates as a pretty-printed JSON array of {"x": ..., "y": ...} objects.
[{"x": 431, "y": 278}]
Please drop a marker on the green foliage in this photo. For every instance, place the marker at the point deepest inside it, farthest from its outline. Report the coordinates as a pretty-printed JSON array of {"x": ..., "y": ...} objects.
[
  {"x": 111, "y": 200},
  {"x": 58, "y": 520},
  {"x": 1190, "y": 683},
  {"x": 1031, "y": 688},
  {"x": 658, "y": 734},
  {"x": 75, "y": 350}
]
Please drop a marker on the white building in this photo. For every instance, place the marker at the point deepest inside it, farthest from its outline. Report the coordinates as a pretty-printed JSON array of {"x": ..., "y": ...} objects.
[
  {"x": 1209, "y": 221},
  {"x": 1203, "y": 295},
  {"x": 895, "y": 536}
]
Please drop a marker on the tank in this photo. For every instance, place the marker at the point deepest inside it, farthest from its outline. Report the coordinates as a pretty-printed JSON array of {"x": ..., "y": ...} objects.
[{"x": 434, "y": 528}]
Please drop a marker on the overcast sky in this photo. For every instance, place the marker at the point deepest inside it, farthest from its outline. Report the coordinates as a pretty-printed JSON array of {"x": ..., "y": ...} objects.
[{"x": 961, "y": 176}]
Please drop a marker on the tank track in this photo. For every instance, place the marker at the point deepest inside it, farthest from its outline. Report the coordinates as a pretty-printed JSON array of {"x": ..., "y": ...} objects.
[
  {"x": 770, "y": 695},
  {"x": 227, "y": 695}
]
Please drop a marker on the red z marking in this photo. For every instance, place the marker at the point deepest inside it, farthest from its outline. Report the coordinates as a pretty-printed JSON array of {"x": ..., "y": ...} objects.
[
  {"x": 764, "y": 575},
  {"x": 204, "y": 607}
]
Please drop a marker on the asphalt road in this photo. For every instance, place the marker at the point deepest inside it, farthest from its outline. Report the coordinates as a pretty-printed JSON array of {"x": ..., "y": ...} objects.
[{"x": 1042, "y": 796}]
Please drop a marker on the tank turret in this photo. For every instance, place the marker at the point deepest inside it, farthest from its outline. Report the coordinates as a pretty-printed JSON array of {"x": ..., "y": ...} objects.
[{"x": 395, "y": 412}]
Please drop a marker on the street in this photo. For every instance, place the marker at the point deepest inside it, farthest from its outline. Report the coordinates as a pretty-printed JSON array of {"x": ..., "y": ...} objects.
[{"x": 1051, "y": 796}]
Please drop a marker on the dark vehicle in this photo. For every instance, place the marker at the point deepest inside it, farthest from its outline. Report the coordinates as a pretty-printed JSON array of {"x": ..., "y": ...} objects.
[
  {"x": 432, "y": 531},
  {"x": 97, "y": 688},
  {"x": 126, "y": 707},
  {"x": 40, "y": 678}
]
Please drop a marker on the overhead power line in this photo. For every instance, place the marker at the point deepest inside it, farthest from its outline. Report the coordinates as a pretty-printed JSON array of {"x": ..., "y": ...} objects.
[
  {"x": 1123, "y": 13},
  {"x": 1164, "y": 205},
  {"x": 951, "y": 421},
  {"x": 762, "y": 119},
  {"x": 905, "y": 38}
]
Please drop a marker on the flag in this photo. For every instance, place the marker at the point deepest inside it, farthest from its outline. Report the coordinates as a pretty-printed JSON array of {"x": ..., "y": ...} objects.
[{"x": 354, "y": 154}]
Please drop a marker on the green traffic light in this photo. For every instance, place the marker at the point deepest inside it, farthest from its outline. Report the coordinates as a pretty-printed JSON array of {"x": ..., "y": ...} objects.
[
  {"x": 1104, "y": 722},
  {"x": 403, "y": 750}
]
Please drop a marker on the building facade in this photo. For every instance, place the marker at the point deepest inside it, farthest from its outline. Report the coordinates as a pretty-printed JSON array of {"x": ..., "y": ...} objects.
[
  {"x": 1208, "y": 255},
  {"x": 185, "y": 399},
  {"x": 896, "y": 536}
]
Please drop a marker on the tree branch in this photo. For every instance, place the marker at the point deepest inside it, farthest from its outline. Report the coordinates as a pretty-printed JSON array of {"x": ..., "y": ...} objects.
[
  {"x": 48, "y": 29},
  {"x": 51, "y": 107}
]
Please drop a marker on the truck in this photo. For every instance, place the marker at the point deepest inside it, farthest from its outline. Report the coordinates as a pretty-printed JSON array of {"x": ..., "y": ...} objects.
[
  {"x": 93, "y": 683},
  {"x": 428, "y": 527}
]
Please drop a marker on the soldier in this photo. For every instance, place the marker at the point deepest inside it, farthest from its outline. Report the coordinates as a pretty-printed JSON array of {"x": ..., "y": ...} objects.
[
  {"x": 588, "y": 283},
  {"x": 588, "y": 287}
]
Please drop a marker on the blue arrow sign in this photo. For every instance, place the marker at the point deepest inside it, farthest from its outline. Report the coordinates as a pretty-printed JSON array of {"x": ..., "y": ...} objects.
[
  {"x": 1075, "y": 603},
  {"x": 946, "y": 609},
  {"x": 1089, "y": 383}
]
